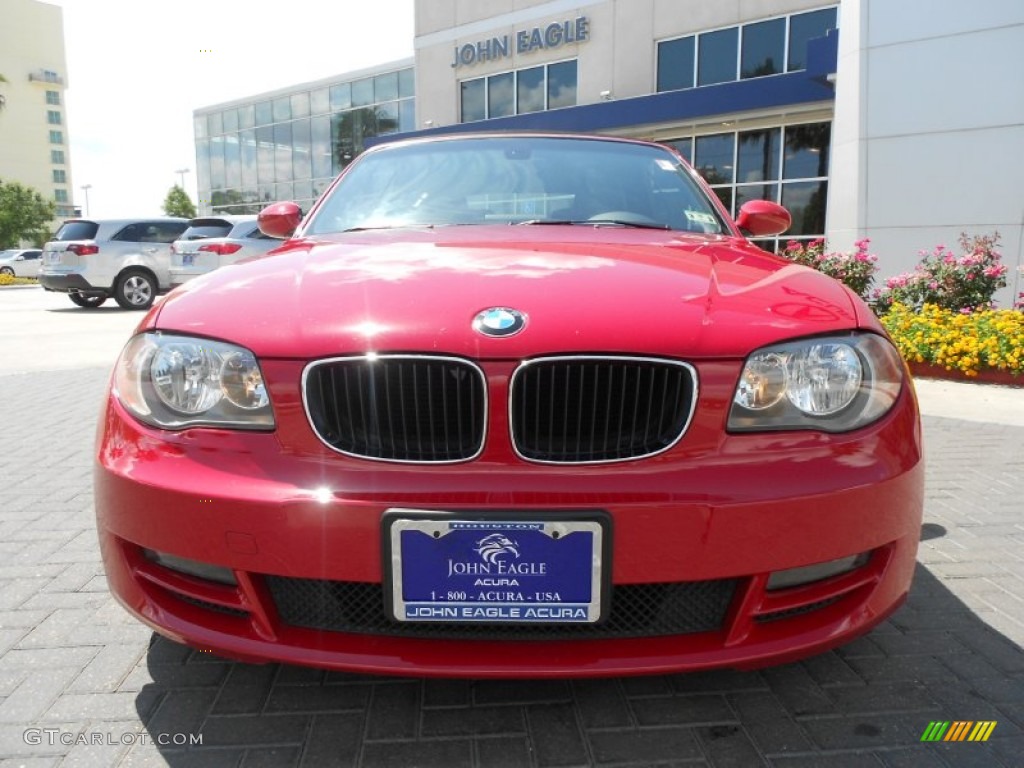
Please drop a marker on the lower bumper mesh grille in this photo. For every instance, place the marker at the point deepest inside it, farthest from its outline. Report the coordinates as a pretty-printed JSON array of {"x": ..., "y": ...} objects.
[{"x": 637, "y": 610}]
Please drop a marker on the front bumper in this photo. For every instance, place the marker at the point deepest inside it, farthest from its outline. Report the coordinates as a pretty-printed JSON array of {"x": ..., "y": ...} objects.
[{"x": 241, "y": 501}]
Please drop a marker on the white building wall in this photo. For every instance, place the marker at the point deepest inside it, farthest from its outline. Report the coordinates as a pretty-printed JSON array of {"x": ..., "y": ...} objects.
[
  {"x": 32, "y": 40},
  {"x": 619, "y": 56},
  {"x": 928, "y": 138}
]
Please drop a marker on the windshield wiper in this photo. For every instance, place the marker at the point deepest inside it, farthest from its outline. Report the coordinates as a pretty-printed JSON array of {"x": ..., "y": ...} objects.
[{"x": 595, "y": 223}]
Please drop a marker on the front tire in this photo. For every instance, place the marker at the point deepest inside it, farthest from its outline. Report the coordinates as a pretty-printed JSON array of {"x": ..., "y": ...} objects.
[
  {"x": 6, "y": 271},
  {"x": 135, "y": 290},
  {"x": 86, "y": 302}
]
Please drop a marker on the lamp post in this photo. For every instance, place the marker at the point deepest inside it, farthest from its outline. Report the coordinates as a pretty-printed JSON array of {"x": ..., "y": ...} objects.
[
  {"x": 85, "y": 188},
  {"x": 181, "y": 174}
]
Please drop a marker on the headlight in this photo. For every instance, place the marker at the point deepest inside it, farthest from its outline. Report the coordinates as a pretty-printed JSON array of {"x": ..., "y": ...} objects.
[
  {"x": 833, "y": 384},
  {"x": 181, "y": 381}
]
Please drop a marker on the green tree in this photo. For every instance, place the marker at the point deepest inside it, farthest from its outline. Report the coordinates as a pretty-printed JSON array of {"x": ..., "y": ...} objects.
[
  {"x": 178, "y": 203},
  {"x": 24, "y": 214}
]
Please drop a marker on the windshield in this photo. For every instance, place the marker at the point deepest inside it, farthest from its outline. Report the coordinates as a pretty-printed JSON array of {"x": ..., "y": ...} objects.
[{"x": 517, "y": 180}]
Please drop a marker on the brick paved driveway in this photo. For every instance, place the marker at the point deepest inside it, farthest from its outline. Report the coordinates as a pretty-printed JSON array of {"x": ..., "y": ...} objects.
[{"x": 73, "y": 662}]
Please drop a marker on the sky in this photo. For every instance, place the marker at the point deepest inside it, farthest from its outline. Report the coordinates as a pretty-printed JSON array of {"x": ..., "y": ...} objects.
[{"x": 137, "y": 70}]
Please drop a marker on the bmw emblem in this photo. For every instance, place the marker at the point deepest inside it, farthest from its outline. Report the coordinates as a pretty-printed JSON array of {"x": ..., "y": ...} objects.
[{"x": 499, "y": 321}]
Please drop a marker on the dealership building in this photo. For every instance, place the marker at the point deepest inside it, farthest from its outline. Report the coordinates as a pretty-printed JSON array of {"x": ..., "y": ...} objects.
[{"x": 902, "y": 122}]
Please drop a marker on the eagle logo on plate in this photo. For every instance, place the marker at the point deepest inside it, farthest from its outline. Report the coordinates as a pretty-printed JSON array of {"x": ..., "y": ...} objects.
[
  {"x": 490, "y": 548},
  {"x": 499, "y": 321}
]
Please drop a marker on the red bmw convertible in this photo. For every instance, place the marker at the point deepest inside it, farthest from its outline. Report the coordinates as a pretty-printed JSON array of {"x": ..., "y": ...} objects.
[{"x": 512, "y": 405}]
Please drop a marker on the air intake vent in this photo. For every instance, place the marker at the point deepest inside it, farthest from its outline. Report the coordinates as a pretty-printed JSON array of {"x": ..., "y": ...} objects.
[
  {"x": 398, "y": 408},
  {"x": 580, "y": 410}
]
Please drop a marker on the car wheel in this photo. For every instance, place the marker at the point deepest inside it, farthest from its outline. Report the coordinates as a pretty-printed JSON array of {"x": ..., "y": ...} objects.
[
  {"x": 6, "y": 271},
  {"x": 135, "y": 290},
  {"x": 88, "y": 302}
]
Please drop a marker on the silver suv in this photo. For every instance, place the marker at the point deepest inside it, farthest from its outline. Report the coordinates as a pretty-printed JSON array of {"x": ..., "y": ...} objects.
[
  {"x": 93, "y": 259},
  {"x": 214, "y": 242}
]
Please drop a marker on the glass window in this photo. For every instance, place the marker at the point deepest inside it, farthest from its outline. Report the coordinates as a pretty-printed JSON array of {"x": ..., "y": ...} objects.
[
  {"x": 60, "y": 176},
  {"x": 320, "y": 101},
  {"x": 217, "y": 180},
  {"x": 716, "y": 56},
  {"x": 500, "y": 95},
  {"x": 474, "y": 104},
  {"x": 230, "y": 120},
  {"x": 386, "y": 117},
  {"x": 60, "y": 195},
  {"x": 385, "y": 87},
  {"x": 216, "y": 123},
  {"x": 247, "y": 153},
  {"x": 203, "y": 168},
  {"x": 805, "y": 201},
  {"x": 807, "y": 149},
  {"x": 300, "y": 104},
  {"x": 683, "y": 146},
  {"x": 406, "y": 83},
  {"x": 265, "y": 156},
  {"x": 53, "y": 117},
  {"x": 562, "y": 84},
  {"x": 675, "y": 64},
  {"x": 232, "y": 162},
  {"x": 725, "y": 195},
  {"x": 764, "y": 47},
  {"x": 56, "y": 137},
  {"x": 283, "y": 152},
  {"x": 362, "y": 92},
  {"x": 407, "y": 115},
  {"x": 264, "y": 113},
  {"x": 804, "y": 27},
  {"x": 747, "y": 192},
  {"x": 247, "y": 116},
  {"x": 53, "y": 97},
  {"x": 758, "y": 155},
  {"x": 341, "y": 96},
  {"x": 302, "y": 163},
  {"x": 713, "y": 157},
  {"x": 282, "y": 109},
  {"x": 284, "y": 191},
  {"x": 199, "y": 127},
  {"x": 530, "y": 90},
  {"x": 303, "y": 193},
  {"x": 57, "y": 156},
  {"x": 344, "y": 130},
  {"x": 320, "y": 131}
]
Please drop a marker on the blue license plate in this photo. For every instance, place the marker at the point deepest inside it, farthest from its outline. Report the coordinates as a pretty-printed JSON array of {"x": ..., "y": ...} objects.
[{"x": 495, "y": 571}]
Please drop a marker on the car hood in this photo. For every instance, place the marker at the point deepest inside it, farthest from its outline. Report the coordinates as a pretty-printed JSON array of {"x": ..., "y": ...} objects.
[{"x": 592, "y": 289}]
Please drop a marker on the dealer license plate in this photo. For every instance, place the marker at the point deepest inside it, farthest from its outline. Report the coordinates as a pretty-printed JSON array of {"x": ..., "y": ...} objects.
[
  {"x": 446, "y": 569},
  {"x": 51, "y": 257}
]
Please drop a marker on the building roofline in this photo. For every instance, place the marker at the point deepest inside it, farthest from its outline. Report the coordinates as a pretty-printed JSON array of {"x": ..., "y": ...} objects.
[{"x": 344, "y": 77}]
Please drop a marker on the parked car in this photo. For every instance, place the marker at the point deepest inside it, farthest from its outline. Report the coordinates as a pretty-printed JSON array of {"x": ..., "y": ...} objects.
[
  {"x": 235, "y": 238},
  {"x": 512, "y": 405},
  {"x": 94, "y": 259},
  {"x": 20, "y": 262}
]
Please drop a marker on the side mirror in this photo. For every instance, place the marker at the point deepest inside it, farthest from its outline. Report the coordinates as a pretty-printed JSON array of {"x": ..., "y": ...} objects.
[
  {"x": 279, "y": 220},
  {"x": 761, "y": 218}
]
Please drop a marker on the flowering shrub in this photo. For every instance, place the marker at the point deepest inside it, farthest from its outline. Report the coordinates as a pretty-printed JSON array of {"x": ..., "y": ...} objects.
[
  {"x": 856, "y": 269},
  {"x": 6, "y": 279},
  {"x": 962, "y": 284},
  {"x": 958, "y": 341}
]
